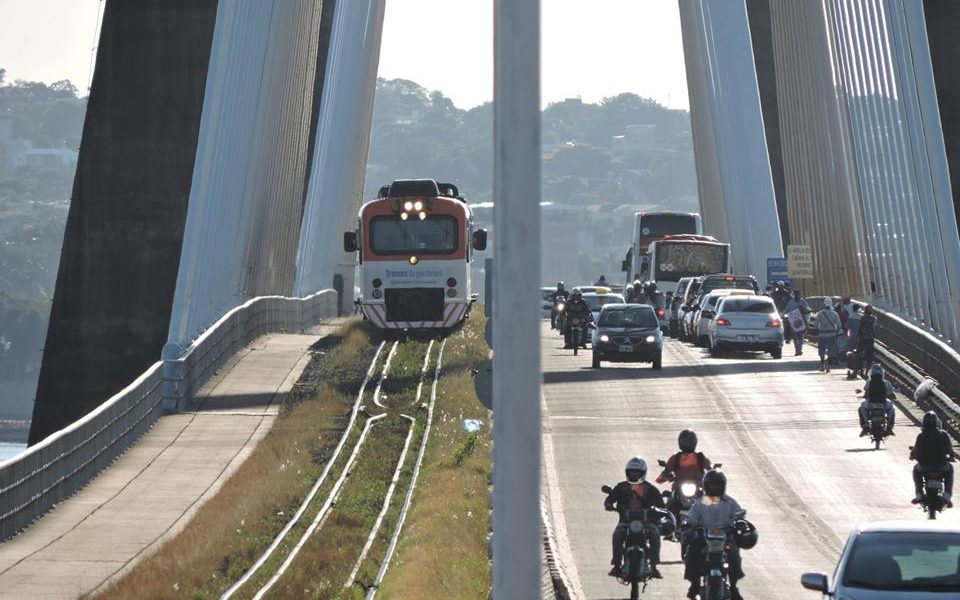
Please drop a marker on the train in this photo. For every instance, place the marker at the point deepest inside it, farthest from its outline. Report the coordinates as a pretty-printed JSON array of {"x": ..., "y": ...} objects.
[{"x": 415, "y": 243}]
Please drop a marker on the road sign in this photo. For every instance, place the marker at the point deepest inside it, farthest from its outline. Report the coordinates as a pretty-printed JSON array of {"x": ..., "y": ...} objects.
[
  {"x": 777, "y": 270},
  {"x": 799, "y": 262}
]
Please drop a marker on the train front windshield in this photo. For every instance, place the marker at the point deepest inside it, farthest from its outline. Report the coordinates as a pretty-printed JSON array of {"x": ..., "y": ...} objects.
[
  {"x": 690, "y": 260},
  {"x": 433, "y": 235}
]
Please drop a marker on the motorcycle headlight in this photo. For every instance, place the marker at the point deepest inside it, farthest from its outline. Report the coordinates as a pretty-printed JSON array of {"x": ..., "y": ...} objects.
[
  {"x": 651, "y": 339},
  {"x": 604, "y": 338},
  {"x": 636, "y": 526},
  {"x": 688, "y": 489},
  {"x": 560, "y": 307}
]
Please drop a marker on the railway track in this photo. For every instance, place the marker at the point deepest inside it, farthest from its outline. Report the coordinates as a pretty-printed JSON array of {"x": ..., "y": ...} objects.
[{"x": 375, "y": 421}]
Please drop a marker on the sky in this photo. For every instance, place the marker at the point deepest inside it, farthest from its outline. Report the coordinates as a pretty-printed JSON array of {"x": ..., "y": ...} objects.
[{"x": 614, "y": 46}]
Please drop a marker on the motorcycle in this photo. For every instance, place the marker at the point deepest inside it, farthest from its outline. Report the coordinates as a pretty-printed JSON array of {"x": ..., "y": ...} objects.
[
  {"x": 934, "y": 488},
  {"x": 577, "y": 335},
  {"x": 715, "y": 581},
  {"x": 556, "y": 313},
  {"x": 684, "y": 493},
  {"x": 636, "y": 569},
  {"x": 877, "y": 422}
]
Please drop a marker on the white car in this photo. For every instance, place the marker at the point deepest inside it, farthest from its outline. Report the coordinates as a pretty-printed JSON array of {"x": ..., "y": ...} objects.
[
  {"x": 706, "y": 310},
  {"x": 894, "y": 560},
  {"x": 746, "y": 322},
  {"x": 596, "y": 300}
]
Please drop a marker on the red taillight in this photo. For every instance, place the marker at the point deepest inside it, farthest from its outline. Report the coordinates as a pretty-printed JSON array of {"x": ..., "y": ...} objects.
[
  {"x": 729, "y": 278},
  {"x": 660, "y": 313},
  {"x": 774, "y": 323},
  {"x": 721, "y": 322}
]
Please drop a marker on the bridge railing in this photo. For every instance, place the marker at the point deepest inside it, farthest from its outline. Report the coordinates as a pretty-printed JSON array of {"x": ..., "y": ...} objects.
[{"x": 35, "y": 480}]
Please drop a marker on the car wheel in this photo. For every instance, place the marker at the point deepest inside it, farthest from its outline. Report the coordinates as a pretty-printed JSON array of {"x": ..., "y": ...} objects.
[
  {"x": 657, "y": 362},
  {"x": 596, "y": 360},
  {"x": 777, "y": 353}
]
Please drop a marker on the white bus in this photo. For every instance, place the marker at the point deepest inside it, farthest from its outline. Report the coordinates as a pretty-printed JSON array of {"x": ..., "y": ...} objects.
[{"x": 649, "y": 227}]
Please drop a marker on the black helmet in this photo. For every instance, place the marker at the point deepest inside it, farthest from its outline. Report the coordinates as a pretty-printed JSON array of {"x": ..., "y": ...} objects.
[
  {"x": 576, "y": 294},
  {"x": 687, "y": 440},
  {"x": 876, "y": 371},
  {"x": 650, "y": 287},
  {"x": 745, "y": 534},
  {"x": 560, "y": 285},
  {"x": 714, "y": 483},
  {"x": 667, "y": 524},
  {"x": 932, "y": 421}
]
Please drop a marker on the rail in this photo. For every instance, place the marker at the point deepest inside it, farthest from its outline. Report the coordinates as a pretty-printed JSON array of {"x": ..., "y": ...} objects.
[{"x": 46, "y": 473}]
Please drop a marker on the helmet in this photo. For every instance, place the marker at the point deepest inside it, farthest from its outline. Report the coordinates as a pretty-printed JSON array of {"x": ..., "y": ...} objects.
[
  {"x": 636, "y": 470},
  {"x": 650, "y": 287},
  {"x": 687, "y": 440},
  {"x": 667, "y": 525},
  {"x": 876, "y": 371},
  {"x": 560, "y": 285},
  {"x": 745, "y": 534},
  {"x": 714, "y": 483},
  {"x": 576, "y": 294},
  {"x": 932, "y": 421},
  {"x": 781, "y": 283},
  {"x": 628, "y": 287}
]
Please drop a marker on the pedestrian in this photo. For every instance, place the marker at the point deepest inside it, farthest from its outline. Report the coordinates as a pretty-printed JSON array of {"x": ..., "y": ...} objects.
[
  {"x": 828, "y": 328},
  {"x": 797, "y": 310},
  {"x": 866, "y": 336},
  {"x": 853, "y": 328}
]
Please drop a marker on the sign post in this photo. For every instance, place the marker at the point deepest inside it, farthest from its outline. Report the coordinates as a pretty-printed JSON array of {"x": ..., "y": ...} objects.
[{"x": 799, "y": 262}]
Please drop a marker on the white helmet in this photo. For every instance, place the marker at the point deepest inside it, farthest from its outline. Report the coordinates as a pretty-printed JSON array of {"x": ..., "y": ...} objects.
[{"x": 634, "y": 466}]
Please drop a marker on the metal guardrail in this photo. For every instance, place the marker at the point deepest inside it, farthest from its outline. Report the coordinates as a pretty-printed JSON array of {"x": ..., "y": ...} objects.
[{"x": 35, "y": 480}]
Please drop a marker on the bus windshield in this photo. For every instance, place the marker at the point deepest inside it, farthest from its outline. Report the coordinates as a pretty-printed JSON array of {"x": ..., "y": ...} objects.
[
  {"x": 690, "y": 259},
  {"x": 433, "y": 235}
]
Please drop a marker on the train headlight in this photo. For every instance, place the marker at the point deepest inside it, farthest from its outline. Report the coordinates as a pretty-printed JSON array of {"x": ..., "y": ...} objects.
[
  {"x": 414, "y": 260},
  {"x": 423, "y": 216},
  {"x": 376, "y": 282},
  {"x": 403, "y": 216},
  {"x": 377, "y": 293},
  {"x": 451, "y": 282},
  {"x": 418, "y": 206},
  {"x": 408, "y": 206},
  {"x": 452, "y": 293}
]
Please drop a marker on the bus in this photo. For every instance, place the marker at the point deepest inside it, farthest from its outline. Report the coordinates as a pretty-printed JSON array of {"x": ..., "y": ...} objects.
[
  {"x": 415, "y": 244},
  {"x": 649, "y": 227},
  {"x": 675, "y": 257}
]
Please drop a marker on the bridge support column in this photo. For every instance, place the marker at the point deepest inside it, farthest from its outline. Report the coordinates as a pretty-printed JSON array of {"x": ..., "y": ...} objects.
[
  {"x": 737, "y": 198},
  {"x": 517, "y": 545},
  {"x": 341, "y": 147}
]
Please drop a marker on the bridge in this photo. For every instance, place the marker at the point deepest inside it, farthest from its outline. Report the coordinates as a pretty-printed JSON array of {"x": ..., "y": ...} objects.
[{"x": 222, "y": 157}]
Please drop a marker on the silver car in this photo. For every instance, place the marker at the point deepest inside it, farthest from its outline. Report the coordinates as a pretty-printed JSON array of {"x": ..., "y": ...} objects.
[
  {"x": 746, "y": 323},
  {"x": 895, "y": 560}
]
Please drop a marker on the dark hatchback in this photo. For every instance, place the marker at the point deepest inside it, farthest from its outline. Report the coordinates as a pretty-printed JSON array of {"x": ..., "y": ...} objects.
[{"x": 627, "y": 333}]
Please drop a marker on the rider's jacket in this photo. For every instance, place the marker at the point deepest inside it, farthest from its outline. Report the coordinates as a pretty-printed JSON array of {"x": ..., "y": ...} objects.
[
  {"x": 711, "y": 513},
  {"x": 932, "y": 447},
  {"x": 888, "y": 391},
  {"x": 626, "y": 496},
  {"x": 685, "y": 466},
  {"x": 578, "y": 308}
]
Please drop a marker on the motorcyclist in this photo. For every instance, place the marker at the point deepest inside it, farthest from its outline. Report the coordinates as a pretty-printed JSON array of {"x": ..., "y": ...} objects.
[
  {"x": 686, "y": 465},
  {"x": 633, "y": 494},
  {"x": 877, "y": 393},
  {"x": 715, "y": 510},
  {"x": 932, "y": 451},
  {"x": 628, "y": 293},
  {"x": 559, "y": 296},
  {"x": 575, "y": 308}
]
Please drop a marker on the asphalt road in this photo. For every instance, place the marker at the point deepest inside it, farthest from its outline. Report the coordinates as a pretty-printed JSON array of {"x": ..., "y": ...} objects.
[{"x": 787, "y": 436}]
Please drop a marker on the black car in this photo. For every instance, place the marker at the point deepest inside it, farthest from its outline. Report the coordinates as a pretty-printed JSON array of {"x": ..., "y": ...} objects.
[{"x": 627, "y": 333}]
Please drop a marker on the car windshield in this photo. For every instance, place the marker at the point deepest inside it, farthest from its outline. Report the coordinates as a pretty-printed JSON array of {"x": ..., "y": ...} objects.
[
  {"x": 594, "y": 302},
  {"x": 629, "y": 317},
  {"x": 750, "y": 305},
  {"x": 921, "y": 561}
]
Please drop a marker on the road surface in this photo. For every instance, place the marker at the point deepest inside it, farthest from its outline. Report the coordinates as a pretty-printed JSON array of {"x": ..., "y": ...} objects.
[{"x": 786, "y": 434}]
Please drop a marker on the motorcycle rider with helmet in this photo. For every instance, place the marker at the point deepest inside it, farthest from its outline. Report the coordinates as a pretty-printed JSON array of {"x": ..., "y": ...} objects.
[
  {"x": 575, "y": 308},
  {"x": 559, "y": 297},
  {"x": 877, "y": 393},
  {"x": 686, "y": 465},
  {"x": 716, "y": 510},
  {"x": 932, "y": 451},
  {"x": 633, "y": 494}
]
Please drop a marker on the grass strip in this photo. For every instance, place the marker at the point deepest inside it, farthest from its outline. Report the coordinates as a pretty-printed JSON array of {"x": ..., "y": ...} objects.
[
  {"x": 443, "y": 550},
  {"x": 231, "y": 531}
]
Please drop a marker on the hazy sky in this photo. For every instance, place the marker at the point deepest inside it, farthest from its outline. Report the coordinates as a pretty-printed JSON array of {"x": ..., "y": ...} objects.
[{"x": 590, "y": 49}]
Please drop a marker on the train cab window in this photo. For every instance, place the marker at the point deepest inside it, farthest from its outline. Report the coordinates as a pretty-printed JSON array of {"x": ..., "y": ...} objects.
[{"x": 433, "y": 235}]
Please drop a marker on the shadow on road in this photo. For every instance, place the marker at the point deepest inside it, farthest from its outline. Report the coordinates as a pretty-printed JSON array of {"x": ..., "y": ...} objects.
[{"x": 614, "y": 371}]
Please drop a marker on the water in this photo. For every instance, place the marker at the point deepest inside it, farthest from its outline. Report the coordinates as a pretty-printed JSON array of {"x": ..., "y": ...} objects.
[{"x": 8, "y": 449}]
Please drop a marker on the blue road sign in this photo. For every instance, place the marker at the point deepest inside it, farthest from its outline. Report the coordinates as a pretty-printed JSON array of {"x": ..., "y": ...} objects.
[{"x": 777, "y": 270}]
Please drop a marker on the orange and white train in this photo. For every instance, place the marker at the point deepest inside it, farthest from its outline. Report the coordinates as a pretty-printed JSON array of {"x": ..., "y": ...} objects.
[{"x": 415, "y": 244}]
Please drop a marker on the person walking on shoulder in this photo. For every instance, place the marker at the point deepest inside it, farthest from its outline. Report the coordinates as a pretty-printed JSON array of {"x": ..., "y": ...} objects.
[
  {"x": 797, "y": 310},
  {"x": 828, "y": 328}
]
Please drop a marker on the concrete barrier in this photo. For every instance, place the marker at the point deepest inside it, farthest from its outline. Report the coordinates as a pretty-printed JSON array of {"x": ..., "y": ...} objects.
[{"x": 35, "y": 480}]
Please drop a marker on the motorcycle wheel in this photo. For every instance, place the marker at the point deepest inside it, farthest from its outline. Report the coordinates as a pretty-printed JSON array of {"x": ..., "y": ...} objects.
[
  {"x": 931, "y": 512},
  {"x": 634, "y": 590},
  {"x": 876, "y": 442},
  {"x": 576, "y": 348},
  {"x": 714, "y": 588}
]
